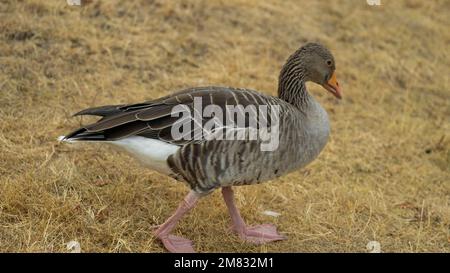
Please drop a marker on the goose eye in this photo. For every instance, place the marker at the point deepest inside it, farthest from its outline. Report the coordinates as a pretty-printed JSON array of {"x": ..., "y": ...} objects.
[{"x": 329, "y": 62}]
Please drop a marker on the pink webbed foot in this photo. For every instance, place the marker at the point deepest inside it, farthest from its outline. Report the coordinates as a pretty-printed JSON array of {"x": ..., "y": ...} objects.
[
  {"x": 174, "y": 243},
  {"x": 177, "y": 244},
  {"x": 260, "y": 234}
]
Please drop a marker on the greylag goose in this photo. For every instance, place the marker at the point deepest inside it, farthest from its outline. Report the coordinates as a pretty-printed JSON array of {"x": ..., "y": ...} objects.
[{"x": 146, "y": 131}]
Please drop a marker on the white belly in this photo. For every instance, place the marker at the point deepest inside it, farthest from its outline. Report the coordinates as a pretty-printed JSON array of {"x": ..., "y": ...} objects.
[{"x": 151, "y": 153}]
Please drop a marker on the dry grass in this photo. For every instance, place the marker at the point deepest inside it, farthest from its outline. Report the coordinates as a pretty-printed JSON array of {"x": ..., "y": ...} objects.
[{"x": 384, "y": 175}]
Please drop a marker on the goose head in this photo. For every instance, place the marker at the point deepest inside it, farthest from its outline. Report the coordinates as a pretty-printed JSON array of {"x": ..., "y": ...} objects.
[
  {"x": 312, "y": 62},
  {"x": 320, "y": 67}
]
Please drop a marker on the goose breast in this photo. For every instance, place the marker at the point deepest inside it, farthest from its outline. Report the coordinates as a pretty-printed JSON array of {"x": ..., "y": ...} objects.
[{"x": 213, "y": 164}]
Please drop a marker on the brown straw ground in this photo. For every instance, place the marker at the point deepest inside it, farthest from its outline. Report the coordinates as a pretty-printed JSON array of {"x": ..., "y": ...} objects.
[{"x": 384, "y": 175}]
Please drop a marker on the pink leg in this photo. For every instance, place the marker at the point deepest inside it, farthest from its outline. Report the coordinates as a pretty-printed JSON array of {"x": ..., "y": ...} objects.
[
  {"x": 174, "y": 243},
  {"x": 257, "y": 234}
]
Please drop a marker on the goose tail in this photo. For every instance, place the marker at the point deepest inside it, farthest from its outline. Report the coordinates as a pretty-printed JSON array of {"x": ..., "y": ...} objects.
[{"x": 82, "y": 135}]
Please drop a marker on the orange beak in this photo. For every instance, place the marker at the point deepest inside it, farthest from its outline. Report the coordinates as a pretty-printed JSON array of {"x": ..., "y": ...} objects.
[{"x": 333, "y": 86}]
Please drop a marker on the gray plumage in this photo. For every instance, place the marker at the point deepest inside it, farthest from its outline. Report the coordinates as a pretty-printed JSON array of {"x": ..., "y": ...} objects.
[{"x": 209, "y": 164}]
